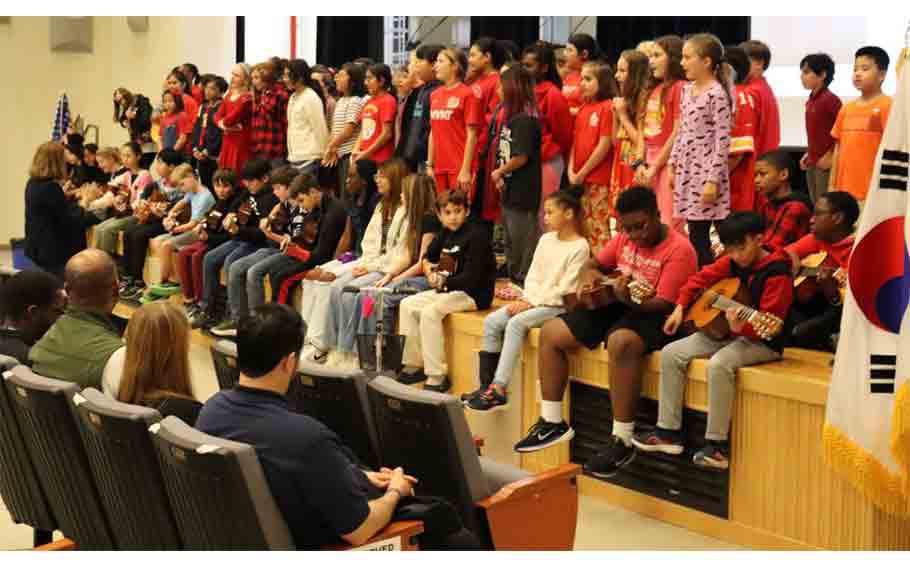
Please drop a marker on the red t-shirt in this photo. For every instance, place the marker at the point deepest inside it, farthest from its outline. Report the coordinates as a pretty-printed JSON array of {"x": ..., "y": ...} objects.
[
  {"x": 571, "y": 89},
  {"x": 485, "y": 89},
  {"x": 191, "y": 108},
  {"x": 555, "y": 121},
  {"x": 767, "y": 116},
  {"x": 666, "y": 267},
  {"x": 452, "y": 111},
  {"x": 184, "y": 124},
  {"x": 593, "y": 121},
  {"x": 197, "y": 94},
  {"x": 810, "y": 244},
  {"x": 821, "y": 113},
  {"x": 742, "y": 141},
  {"x": 378, "y": 111}
]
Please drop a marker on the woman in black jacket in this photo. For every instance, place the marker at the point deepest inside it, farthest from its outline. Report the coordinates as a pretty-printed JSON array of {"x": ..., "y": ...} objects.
[
  {"x": 134, "y": 112},
  {"x": 54, "y": 227}
]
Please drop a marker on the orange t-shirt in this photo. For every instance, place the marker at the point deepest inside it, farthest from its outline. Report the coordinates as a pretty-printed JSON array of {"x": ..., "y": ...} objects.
[
  {"x": 858, "y": 131},
  {"x": 593, "y": 122}
]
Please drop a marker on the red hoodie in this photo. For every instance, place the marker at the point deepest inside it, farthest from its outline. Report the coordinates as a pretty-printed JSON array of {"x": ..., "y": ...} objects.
[
  {"x": 555, "y": 120},
  {"x": 776, "y": 297}
]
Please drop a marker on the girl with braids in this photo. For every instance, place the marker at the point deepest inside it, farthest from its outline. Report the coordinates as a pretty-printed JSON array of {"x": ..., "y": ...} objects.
[
  {"x": 234, "y": 117},
  {"x": 661, "y": 121},
  {"x": 633, "y": 74},
  {"x": 558, "y": 260},
  {"x": 191, "y": 72},
  {"x": 555, "y": 119},
  {"x": 698, "y": 162}
]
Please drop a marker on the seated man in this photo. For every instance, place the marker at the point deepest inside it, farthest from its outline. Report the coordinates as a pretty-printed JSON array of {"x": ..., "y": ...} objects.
[
  {"x": 816, "y": 316},
  {"x": 322, "y": 494},
  {"x": 655, "y": 262},
  {"x": 80, "y": 343},
  {"x": 30, "y": 302}
]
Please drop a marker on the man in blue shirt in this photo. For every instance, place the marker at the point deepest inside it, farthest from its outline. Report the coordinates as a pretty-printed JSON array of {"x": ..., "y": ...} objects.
[{"x": 321, "y": 492}]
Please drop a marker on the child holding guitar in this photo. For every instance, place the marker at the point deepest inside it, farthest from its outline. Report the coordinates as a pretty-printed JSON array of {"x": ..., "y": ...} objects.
[
  {"x": 820, "y": 261},
  {"x": 750, "y": 336},
  {"x": 655, "y": 262}
]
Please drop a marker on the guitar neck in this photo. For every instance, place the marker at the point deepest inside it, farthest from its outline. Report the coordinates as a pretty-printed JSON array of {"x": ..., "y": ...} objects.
[{"x": 725, "y": 303}]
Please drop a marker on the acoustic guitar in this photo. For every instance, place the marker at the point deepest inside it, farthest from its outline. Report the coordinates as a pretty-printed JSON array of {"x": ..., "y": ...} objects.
[
  {"x": 240, "y": 218},
  {"x": 708, "y": 311},
  {"x": 805, "y": 284},
  {"x": 602, "y": 294},
  {"x": 213, "y": 220}
]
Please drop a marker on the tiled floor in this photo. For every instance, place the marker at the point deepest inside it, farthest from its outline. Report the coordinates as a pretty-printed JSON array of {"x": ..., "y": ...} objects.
[{"x": 601, "y": 526}]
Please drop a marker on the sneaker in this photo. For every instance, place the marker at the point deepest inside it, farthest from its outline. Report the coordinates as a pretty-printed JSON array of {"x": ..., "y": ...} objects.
[
  {"x": 713, "y": 456},
  {"x": 443, "y": 387},
  {"x": 545, "y": 434},
  {"x": 133, "y": 293},
  {"x": 488, "y": 399},
  {"x": 126, "y": 282},
  {"x": 610, "y": 459},
  {"x": 314, "y": 354},
  {"x": 659, "y": 440},
  {"x": 165, "y": 289},
  {"x": 148, "y": 297},
  {"x": 227, "y": 328},
  {"x": 199, "y": 318},
  {"x": 411, "y": 377}
]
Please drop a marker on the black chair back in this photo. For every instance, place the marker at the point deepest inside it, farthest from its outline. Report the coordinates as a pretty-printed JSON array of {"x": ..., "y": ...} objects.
[
  {"x": 217, "y": 491},
  {"x": 224, "y": 356},
  {"x": 125, "y": 467},
  {"x": 338, "y": 399},
  {"x": 19, "y": 486},
  {"x": 43, "y": 408}
]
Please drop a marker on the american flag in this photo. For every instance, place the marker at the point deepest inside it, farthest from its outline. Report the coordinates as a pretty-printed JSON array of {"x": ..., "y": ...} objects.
[{"x": 61, "y": 118}]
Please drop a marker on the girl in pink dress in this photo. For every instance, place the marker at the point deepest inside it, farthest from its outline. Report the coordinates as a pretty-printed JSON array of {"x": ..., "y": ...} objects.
[
  {"x": 235, "y": 118},
  {"x": 698, "y": 162}
]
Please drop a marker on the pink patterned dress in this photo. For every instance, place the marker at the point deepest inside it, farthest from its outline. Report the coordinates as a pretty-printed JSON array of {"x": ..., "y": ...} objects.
[{"x": 700, "y": 154}]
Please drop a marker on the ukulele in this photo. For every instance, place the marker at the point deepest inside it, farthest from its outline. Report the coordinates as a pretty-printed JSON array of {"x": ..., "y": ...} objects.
[
  {"x": 708, "y": 312},
  {"x": 241, "y": 217},
  {"x": 805, "y": 284},
  {"x": 279, "y": 219},
  {"x": 155, "y": 201},
  {"x": 601, "y": 293}
]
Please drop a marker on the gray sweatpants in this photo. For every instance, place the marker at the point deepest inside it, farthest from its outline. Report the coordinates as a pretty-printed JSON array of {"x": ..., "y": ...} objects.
[
  {"x": 817, "y": 180},
  {"x": 522, "y": 234},
  {"x": 727, "y": 355}
]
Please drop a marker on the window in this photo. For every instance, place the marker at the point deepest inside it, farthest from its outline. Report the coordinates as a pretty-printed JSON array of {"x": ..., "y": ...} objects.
[
  {"x": 395, "y": 43},
  {"x": 554, "y": 29}
]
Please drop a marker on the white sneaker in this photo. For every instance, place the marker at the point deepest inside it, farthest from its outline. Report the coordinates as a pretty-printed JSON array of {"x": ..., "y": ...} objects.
[{"x": 312, "y": 354}]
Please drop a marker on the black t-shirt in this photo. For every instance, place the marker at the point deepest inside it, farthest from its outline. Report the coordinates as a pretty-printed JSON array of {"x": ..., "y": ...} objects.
[
  {"x": 521, "y": 136},
  {"x": 320, "y": 491}
]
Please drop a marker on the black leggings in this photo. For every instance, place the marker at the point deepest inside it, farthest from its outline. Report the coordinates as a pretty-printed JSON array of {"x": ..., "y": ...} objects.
[
  {"x": 135, "y": 246},
  {"x": 700, "y": 235}
]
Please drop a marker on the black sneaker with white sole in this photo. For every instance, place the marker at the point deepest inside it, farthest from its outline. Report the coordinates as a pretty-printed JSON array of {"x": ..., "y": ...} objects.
[
  {"x": 610, "y": 459},
  {"x": 543, "y": 435}
]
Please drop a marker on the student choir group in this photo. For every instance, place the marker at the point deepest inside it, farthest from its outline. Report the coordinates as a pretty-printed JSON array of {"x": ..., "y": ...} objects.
[{"x": 625, "y": 192}]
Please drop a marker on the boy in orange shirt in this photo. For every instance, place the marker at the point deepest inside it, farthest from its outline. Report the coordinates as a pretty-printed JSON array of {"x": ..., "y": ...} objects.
[{"x": 860, "y": 124}]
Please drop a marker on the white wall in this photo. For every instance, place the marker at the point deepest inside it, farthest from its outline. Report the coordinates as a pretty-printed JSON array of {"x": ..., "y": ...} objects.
[
  {"x": 120, "y": 57},
  {"x": 266, "y": 36}
]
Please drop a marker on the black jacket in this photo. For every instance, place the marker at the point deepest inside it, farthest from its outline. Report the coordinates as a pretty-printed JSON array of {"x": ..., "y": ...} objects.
[
  {"x": 213, "y": 135},
  {"x": 332, "y": 219},
  {"x": 472, "y": 249},
  {"x": 54, "y": 227},
  {"x": 415, "y": 125}
]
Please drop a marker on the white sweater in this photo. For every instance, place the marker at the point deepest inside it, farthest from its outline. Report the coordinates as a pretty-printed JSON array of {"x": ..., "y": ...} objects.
[
  {"x": 371, "y": 259},
  {"x": 308, "y": 132},
  {"x": 555, "y": 270}
]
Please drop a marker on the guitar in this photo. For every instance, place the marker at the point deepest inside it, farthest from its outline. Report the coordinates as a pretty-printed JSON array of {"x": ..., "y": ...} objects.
[
  {"x": 279, "y": 220},
  {"x": 601, "y": 293},
  {"x": 708, "y": 311},
  {"x": 241, "y": 217},
  {"x": 213, "y": 220},
  {"x": 156, "y": 201},
  {"x": 805, "y": 284}
]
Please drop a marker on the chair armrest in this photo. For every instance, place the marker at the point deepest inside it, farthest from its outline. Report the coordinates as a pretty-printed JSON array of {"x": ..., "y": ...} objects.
[
  {"x": 404, "y": 531},
  {"x": 545, "y": 506},
  {"x": 62, "y": 544}
]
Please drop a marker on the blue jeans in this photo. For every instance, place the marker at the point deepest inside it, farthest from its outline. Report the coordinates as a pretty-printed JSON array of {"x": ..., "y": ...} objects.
[
  {"x": 222, "y": 255},
  {"x": 505, "y": 334},
  {"x": 391, "y": 301},
  {"x": 348, "y": 310},
  {"x": 246, "y": 280}
]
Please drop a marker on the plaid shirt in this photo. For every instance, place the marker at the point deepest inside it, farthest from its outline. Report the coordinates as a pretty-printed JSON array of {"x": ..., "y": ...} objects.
[
  {"x": 786, "y": 220},
  {"x": 269, "y": 135}
]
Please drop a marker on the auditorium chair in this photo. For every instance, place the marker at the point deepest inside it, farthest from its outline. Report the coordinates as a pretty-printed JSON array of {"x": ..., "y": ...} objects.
[
  {"x": 224, "y": 357},
  {"x": 123, "y": 461},
  {"x": 20, "y": 489},
  {"x": 43, "y": 409},
  {"x": 220, "y": 496},
  {"x": 338, "y": 399},
  {"x": 509, "y": 509}
]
